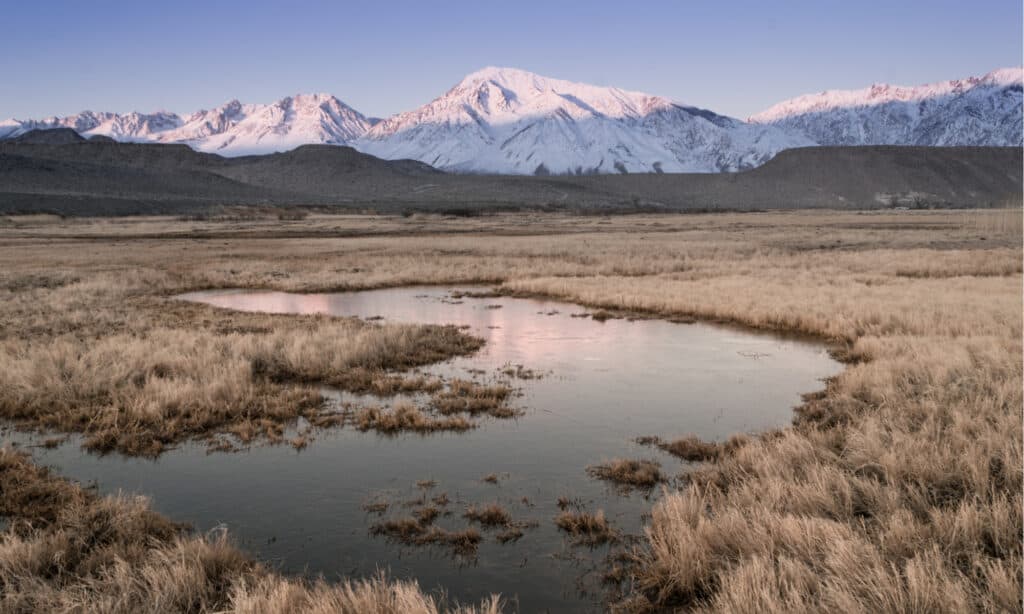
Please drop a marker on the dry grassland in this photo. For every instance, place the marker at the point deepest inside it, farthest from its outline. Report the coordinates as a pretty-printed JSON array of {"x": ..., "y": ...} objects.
[{"x": 896, "y": 490}]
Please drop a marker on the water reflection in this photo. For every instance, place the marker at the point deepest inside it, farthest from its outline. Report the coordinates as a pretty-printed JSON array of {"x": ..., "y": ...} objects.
[{"x": 605, "y": 384}]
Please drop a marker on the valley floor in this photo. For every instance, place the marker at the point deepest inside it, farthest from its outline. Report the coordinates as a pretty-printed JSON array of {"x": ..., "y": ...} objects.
[{"x": 898, "y": 489}]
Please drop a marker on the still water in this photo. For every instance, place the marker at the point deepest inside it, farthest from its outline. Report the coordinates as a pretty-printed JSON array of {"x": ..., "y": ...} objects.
[{"x": 603, "y": 385}]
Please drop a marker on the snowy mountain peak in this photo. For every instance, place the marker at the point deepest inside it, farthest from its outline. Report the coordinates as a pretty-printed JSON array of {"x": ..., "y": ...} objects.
[
  {"x": 1005, "y": 76},
  {"x": 880, "y": 93},
  {"x": 500, "y": 74},
  {"x": 512, "y": 121},
  {"x": 983, "y": 110},
  {"x": 233, "y": 128},
  {"x": 527, "y": 92}
]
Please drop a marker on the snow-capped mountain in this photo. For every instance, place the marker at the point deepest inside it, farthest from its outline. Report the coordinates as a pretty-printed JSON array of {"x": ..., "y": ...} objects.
[
  {"x": 511, "y": 121},
  {"x": 127, "y": 127},
  {"x": 236, "y": 129},
  {"x": 504, "y": 120},
  {"x": 974, "y": 111},
  {"x": 231, "y": 129}
]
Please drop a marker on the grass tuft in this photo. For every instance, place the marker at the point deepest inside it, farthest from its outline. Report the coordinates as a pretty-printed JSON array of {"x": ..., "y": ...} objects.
[
  {"x": 489, "y": 515},
  {"x": 413, "y": 532},
  {"x": 629, "y": 472},
  {"x": 405, "y": 416},
  {"x": 590, "y": 529},
  {"x": 465, "y": 396}
]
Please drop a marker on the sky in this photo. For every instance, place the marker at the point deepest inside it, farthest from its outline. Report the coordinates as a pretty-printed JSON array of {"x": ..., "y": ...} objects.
[{"x": 737, "y": 58}]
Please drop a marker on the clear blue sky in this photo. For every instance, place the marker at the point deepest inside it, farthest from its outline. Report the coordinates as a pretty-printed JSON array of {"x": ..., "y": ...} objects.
[{"x": 388, "y": 56}]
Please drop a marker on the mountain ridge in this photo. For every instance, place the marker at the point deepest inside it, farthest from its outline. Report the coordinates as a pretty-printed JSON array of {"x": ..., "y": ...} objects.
[
  {"x": 983, "y": 110},
  {"x": 233, "y": 128},
  {"x": 512, "y": 121},
  {"x": 110, "y": 178},
  {"x": 516, "y": 122}
]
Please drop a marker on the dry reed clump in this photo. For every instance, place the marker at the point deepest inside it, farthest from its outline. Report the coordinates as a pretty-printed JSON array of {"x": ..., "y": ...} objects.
[
  {"x": 509, "y": 536},
  {"x": 405, "y": 416},
  {"x": 465, "y": 396},
  {"x": 519, "y": 371},
  {"x": 488, "y": 515},
  {"x": 494, "y": 516},
  {"x": 376, "y": 507},
  {"x": 603, "y": 315},
  {"x": 382, "y": 383},
  {"x": 299, "y": 442},
  {"x": 456, "y": 397},
  {"x": 693, "y": 449},
  {"x": 427, "y": 514},
  {"x": 414, "y": 532},
  {"x": 32, "y": 494},
  {"x": 376, "y": 595},
  {"x": 586, "y": 528},
  {"x": 629, "y": 472},
  {"x": 67, "y": 549}
]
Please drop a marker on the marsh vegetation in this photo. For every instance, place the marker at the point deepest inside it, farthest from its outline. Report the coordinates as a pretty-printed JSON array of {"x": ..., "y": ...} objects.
[
  {"x": 592, "y": 529},
  {"x": 154, "y": 380},
  {"x": 67, "y": 549},
  {"x": 898, "y": 488},
  {"x": 694, "y": 449},
  {"x": 628, "y": 472}
]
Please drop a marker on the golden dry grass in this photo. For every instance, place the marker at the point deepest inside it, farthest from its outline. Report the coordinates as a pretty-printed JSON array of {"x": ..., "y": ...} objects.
[
  {"x": 898, "y": 489},
  {"x": 591, "y": 529},
  {"x": 414, "y": 531},
  {"x": 136, "y": 392},
  {"x": 464, "y": 396},
  {"x": 488, "y": 515},
  {"x": 628, "y": 472},
  {"x": 405, "y": 416},
  {"x": 103, "y": 351},
  {"x": 375, "y": 596},
  {"x": 693, "y": 449}
]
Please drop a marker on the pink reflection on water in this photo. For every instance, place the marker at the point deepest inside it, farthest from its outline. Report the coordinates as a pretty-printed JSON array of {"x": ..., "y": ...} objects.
[
  {"x": 538, "y": 334},
  {"x": 634, "y": 376},
  {"x": 267, "y": 302}
]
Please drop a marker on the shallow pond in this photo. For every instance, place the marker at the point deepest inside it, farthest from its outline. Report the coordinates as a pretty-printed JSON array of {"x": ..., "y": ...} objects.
[{"x": 603, "y": 385}]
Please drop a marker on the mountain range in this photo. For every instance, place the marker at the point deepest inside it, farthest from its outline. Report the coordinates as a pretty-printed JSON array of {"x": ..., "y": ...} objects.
[{"x": 509, "y": 121}]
